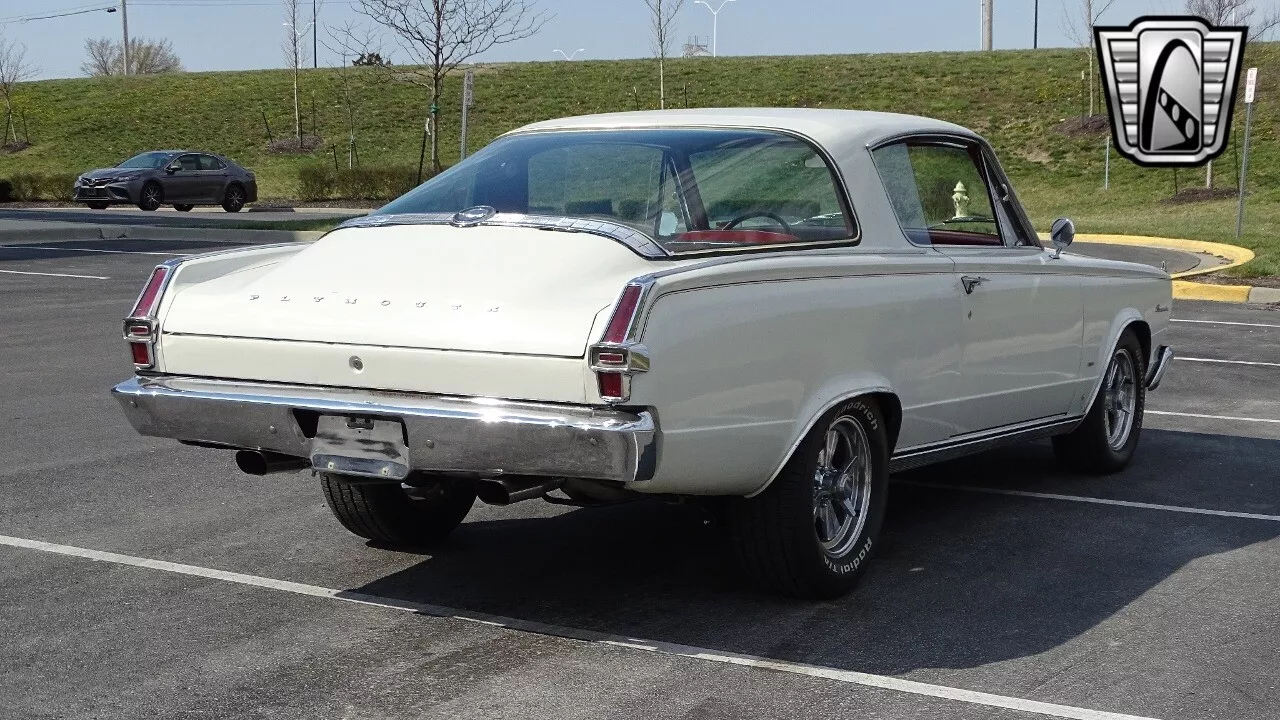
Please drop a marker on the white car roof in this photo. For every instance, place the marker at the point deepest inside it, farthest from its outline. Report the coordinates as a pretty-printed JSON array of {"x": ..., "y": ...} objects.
[{"x": 832, "y": 129}]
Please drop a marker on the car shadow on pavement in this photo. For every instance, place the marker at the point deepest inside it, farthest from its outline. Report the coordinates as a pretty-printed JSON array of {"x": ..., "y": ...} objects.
[{"x": 961, "y": 579}]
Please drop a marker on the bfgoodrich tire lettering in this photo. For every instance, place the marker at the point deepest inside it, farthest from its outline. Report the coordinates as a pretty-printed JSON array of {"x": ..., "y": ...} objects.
[
  {"x": 1107, "y": 438},
  {"x": 386, "y": 513},
  {"x": 811, "y": 533}
]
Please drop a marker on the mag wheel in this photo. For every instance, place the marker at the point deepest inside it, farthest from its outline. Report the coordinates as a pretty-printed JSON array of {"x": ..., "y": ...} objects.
[
  {"x": 152, "y": 196},
  {"x": 1107, "y": 438}
]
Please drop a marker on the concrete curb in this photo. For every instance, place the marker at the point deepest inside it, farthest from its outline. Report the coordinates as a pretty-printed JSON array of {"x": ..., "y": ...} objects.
[
  {"x": 1188, "y": 290},
  {"x": 88, "y": 231}
]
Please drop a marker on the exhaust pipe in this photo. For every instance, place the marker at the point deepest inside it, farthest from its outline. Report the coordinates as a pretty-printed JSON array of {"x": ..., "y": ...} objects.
[
  {"x": 261, "y": 462},
  {"x": 504, "y": 491}
]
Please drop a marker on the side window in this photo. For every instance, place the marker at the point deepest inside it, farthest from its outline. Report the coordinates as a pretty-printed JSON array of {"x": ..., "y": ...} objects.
[
  {"x": 939, "y": 193},
  {"x": 209, "y": 162},
  {"x": 189, "y": 162}
]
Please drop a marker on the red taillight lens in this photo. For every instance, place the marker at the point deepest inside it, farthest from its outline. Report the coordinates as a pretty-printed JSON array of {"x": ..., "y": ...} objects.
[
  {"x": 141, "y": 353},
  {"x": 150, "y": 296},
  {"x": 620, "y": 323},
  {"x": 610, "y": 385}
]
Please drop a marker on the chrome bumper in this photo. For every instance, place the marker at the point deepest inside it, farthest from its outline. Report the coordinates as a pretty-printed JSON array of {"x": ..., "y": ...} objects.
[
  {"x": 1161, "y": 363},
  {"x": 478, "y": 436}
]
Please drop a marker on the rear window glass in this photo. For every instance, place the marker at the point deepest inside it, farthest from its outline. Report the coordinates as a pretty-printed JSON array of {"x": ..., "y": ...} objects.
[
  {"x": 688, "y": 189},
  {"x": 939, "y": 193}
]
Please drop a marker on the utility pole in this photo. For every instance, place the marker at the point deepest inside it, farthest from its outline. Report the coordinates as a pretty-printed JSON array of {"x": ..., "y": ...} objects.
[
  {"x": 315, "y": 39},
  {"x": 986, "y": 24},
  {"x": 124, "y": 22},
  {"x": 1035, "y": 28}
]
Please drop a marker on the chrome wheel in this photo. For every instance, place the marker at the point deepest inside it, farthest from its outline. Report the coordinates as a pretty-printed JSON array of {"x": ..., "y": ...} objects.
[
  {"x": 842, "y": 486},
  {"x": 1119, "y": 399}
]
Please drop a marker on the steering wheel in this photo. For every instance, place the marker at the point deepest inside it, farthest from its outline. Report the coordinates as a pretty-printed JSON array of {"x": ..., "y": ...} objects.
[{"x": 755, "y": 214}]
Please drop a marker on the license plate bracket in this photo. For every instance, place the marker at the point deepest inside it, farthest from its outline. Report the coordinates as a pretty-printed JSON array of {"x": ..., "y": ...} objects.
[{"x": 361, "y": 446}]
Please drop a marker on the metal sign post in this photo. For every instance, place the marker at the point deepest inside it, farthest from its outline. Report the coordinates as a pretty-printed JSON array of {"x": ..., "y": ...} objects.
[
  {"x": 468, "y": 99},
  {"x": 1106, "y": 172},
  {"x": 1250, "y": 92}
]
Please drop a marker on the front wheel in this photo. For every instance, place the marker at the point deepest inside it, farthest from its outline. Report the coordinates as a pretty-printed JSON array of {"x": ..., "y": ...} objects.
[
  {"x": 420, "y": 513},
  {"x": 182, "y": 207},
  {"x": 1107, "y": 438},
  {"x": 152, "y": 196},
  {"x": 811, "y": 532}
]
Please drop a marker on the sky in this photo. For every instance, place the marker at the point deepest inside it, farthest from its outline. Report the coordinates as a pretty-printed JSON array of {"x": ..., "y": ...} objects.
[{"x": 247, "y": 34}]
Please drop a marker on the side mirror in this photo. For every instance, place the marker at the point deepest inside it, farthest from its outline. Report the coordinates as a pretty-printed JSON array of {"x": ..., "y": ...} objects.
[
  {"x": 1062, "y": 234},
  {"x": 171, "y": 169}
]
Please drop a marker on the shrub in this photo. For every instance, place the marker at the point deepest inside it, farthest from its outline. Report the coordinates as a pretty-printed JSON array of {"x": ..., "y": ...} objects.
[
  {"x": 316, "y": 182},
  {"x": 6, "y": 191},
  {"x": 26, "y": 186},
  {"x": 57, "y": 186},
  {"x": 320, "y": 182}
]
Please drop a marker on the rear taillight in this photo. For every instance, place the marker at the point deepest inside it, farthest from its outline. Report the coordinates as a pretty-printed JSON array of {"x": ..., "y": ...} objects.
[
  {"x": 619, "y": 355},
  {"x": 140, "y": 327}
]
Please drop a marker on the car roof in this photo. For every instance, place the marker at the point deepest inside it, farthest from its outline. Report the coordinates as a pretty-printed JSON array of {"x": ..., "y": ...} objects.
[{"x": 829, "y": 128}]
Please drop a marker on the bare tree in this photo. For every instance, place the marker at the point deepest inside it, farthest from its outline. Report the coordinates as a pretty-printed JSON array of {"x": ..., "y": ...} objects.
[
  {"x": 1078, "y": 19},
  {"x": 661, "y": 24},
  {"x": 350, "y": 79},
  {"x": 14, "y": 69},
  {"x": 1236, "y": 12},
  {"x": 104, "y": 56},
  {"x": 438, "y": 36},
  {"x": 295, "y": 53}
]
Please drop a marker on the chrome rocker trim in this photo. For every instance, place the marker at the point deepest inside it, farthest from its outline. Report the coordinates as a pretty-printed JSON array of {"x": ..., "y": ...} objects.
[
  {"x": 478, "y": 437},
  {"x": 1156, "y": 373}
]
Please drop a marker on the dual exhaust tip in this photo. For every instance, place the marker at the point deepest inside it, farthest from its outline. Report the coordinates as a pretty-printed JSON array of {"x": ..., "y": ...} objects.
[{"x": 491, "y": 491}]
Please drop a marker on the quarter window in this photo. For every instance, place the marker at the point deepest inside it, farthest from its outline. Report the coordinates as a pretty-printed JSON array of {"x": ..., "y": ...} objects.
[
  {"x": 209, "y": 162},
  {"x": 939, "y": 193}
]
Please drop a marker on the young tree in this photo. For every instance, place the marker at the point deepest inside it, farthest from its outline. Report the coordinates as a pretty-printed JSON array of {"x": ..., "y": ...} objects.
[
  {"x": 14, "y": 69},
  {"x": 661, "y": 25},
  {"x": 1078, "y": 19},
  {"x": 295, "y": 53},
  {"x": 104, "y": 56},
  {"x": 439, "y": 36},
  {"x": 1236, "y": 12}
]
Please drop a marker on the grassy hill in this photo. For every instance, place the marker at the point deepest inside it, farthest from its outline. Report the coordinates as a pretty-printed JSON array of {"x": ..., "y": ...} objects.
[{"x": 1017, "y": 99}]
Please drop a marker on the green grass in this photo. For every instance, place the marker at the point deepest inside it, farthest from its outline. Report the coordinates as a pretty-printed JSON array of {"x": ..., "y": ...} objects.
[{"x": 1014, "y": 98}]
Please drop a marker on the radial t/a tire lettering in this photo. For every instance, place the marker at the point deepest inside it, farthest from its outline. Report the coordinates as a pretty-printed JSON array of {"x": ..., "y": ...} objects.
[{"x": 811, "y": 533}]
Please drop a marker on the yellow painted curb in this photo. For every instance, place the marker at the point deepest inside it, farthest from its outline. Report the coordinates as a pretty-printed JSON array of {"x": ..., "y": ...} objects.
[{"x": 1184, "y": 289}]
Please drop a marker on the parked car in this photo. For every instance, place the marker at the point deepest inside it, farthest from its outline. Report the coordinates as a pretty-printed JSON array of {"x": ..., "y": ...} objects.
[
  {"x": 770, "y": 308},
  {"x": 180, "y": 178}
]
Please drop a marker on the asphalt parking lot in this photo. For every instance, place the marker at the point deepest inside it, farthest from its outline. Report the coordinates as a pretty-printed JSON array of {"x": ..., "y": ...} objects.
[{"x": 141, "y": 578}]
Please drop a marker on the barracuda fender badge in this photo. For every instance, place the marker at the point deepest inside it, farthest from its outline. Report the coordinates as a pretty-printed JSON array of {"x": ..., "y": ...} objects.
[{"x": 472, "y": 216}]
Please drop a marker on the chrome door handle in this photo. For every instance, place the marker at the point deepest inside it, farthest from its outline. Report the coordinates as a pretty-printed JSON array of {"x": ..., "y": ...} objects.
[{"x": 970, "y": 282}]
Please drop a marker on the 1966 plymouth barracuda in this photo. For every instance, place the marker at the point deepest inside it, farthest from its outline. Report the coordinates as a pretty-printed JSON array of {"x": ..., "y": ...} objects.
[{"x": 776, "y": 308}]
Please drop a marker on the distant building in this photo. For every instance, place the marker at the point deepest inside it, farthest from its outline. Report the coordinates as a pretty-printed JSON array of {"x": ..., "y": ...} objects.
[{"x": 697, "y": 47}]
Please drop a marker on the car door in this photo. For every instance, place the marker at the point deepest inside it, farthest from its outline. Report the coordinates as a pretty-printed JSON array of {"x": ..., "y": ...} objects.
[
  {"x": 213, "y": 176},
  {"x": 1022, "y": 320},
  {"x": 182, "y": 179}
]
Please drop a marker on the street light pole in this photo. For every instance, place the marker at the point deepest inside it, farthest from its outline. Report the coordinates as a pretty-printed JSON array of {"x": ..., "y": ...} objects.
[
  {"x": 570, "y": 57},
  {"x": 715, "y": 20},
  {"x": 124, "y": 22},
  {"x": 315, "y": 40},
  {"x": 1035, "y": 28}
]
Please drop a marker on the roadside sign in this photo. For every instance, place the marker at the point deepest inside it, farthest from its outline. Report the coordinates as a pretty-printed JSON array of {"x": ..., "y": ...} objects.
[
  {"x": 469, "y": 89},
  {"x": 1250, "y": 85}
]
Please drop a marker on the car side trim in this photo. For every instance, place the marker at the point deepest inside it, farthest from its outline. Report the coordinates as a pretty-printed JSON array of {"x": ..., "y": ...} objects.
[{"x": 981, "y": 442}]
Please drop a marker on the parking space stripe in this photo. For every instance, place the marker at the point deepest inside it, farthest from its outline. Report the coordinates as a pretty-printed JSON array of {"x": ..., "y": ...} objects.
[
  {"x": 1210, "y": 417},
  {"x": 883, "y": 682},
  {"x": 1225, "y": 322},
  {"x": 88, "y": 250},
  {"x": 66, "y": 275},
  {"x": 1226, "y": 362},
  {"x": 1093, "y": 500}
]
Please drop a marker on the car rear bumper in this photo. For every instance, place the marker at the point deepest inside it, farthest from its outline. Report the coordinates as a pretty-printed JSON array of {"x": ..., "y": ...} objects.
[{"x": 481, "y": 437}]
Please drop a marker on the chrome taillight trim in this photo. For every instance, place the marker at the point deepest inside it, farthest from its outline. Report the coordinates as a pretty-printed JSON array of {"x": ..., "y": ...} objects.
[
  {"x": 635, "y": 356},
  {"x": 151, "y": 320}
]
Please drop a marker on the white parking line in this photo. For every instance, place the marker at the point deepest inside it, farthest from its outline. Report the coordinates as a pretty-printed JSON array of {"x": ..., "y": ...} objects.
[
  {"x": 87, "y": 250},
  {"x": 66, "y": 275},
  {"x": 1093, "y": 500},
  {"x": 1226, "y": 322},
  {"x": 1225, "y": 362},
  {"x": 846, "y": 676},
  {"x": 1210, "y": 417}
]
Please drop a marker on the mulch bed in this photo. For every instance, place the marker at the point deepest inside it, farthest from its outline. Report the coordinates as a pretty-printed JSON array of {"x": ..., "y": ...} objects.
[
  {"x": 1200, "y": 194},
  {"x": 1084, "y": 126}
]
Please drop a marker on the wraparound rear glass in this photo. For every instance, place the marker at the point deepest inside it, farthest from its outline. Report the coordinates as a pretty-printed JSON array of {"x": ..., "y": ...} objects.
[{"x": 688, "y": 189}]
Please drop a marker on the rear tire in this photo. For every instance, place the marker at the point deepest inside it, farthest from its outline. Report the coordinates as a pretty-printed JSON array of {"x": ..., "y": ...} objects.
[
  {"x": 233, "y": 199},
  {"x": 385, "y": 512},
  {"x": 152, "y": 196},
  {"x": 97, "y": 205},
  {"x": 182, "y": 207},
  {"x": 810, "y": 533},
  {"x": 1107, "y": 438}
]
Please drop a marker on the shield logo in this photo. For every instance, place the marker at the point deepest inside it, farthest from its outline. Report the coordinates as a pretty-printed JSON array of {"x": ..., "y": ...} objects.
[{"x": 1170, "y": 85}]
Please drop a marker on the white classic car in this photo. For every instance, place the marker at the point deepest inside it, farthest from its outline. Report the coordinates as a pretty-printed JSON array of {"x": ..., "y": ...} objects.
[{"x": 774, "y": 307}]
